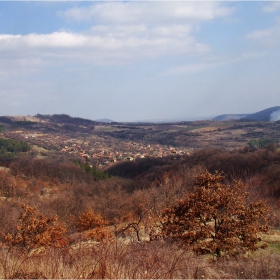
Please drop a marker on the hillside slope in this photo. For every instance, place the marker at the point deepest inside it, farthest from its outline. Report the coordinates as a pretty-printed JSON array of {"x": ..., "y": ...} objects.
[
  {"x": 227, "y": 117},
  {"x": 269, "y": 114}
]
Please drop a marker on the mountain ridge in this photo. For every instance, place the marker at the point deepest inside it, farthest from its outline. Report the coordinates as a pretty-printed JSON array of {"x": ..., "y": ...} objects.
[
  {"x": 266, "y": 115},
  {"x": 269, "y": 114}
]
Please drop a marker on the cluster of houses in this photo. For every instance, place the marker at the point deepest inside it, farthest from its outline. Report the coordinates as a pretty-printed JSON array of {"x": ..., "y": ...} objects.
[
  {"x": 104, "y": 155},
  {"x": 102, "y": 151}
]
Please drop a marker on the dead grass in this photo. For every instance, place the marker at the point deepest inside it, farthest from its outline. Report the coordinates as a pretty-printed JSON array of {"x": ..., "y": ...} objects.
[
  {"x": 206, "y": 129},
  {"x": 273, "y": 240},
  {"x": 4, "y": 169},
  {"x": 147, "y": 260},
  {"x": 274, "y": 236}
]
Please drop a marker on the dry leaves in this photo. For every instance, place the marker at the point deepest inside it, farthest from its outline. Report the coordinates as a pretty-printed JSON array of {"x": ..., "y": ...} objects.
[{"x": 215, "y": 219}]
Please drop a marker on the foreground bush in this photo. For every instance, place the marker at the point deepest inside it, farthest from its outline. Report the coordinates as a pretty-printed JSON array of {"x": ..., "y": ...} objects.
[
  {"x": 215, "y": 219},
  {"x": 34, "y": 230}
]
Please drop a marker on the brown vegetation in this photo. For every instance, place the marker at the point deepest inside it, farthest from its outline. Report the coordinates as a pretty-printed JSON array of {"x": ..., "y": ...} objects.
[
  {"x": 34, "y": 230},
  {"x": 135, "y": 261},
  {"x": 215, "y": 219},
  {"x": 107, "y": 222}
]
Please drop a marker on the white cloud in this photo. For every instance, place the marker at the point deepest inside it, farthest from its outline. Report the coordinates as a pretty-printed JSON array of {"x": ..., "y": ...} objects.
[
  {"x": 120, "y": 32},
  {"x": 269, "y": 36},
  {"x": 272, "y": 7},
  {"x": 149, "y": 12},
  {"x": 50, "y": 68},
  {"x": 261, "y": 34},
  {"x": 56, "y": 39},
  {"x": 101, "y": 44}
]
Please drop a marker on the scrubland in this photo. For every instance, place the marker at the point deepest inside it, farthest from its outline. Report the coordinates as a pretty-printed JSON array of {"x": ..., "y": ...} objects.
[{"x": 81, "y": 227}]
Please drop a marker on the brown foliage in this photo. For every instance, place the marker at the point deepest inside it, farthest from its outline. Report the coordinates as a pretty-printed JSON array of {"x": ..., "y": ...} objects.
[
  {"x": 94, "y": 224},
  {"x": 35, "y": 230},
  {"x": 215, "y": 219},
  {"x": 7, "y": 184},
  {"x": 89, "y": 220},
  {"x": 47, "y": 169}
]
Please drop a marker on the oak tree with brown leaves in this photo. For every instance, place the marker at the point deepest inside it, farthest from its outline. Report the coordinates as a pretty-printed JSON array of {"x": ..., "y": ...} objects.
[
  {"x": 215, "y": 219},
  {"x": 35, "y": 230}
]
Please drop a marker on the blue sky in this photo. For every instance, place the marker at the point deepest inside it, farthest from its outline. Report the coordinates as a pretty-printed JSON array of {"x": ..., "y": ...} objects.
[{"x": 139, "y": 60}]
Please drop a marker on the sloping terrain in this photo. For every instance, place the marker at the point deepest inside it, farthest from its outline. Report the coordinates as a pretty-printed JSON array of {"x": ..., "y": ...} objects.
[
  {"x": 102, "y": 225},
  {"x": 269, "y": 114},
  {"x": 264, "y": 115},
  {"x": 228, "y": 117}
]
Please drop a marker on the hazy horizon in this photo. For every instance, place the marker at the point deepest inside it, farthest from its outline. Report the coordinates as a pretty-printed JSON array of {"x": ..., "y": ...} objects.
[{"x": 139, "y": 60}]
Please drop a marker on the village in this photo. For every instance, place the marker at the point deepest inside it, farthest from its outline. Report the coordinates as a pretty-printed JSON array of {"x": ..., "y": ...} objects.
[
  {"x": 101, "y": 151},
  {"x": 104, "y": 155},
  {"x": 102, "y": 145}
]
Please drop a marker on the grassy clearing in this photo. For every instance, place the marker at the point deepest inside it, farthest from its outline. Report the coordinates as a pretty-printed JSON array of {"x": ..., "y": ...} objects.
[
  {"x": 42, "y": 152},
  {"x": 275, "y": 246},
  {"x": 273, "y": 240},
  {"x": 39, "y": 149}
]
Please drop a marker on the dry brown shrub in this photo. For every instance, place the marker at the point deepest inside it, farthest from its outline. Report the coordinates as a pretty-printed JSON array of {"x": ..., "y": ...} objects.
[
  {"x": 7, "y": 184},
  {"x": 89, "y": 220},
  {"x": 35, "y": 230},
  {"x": 215, "y": 219},
  {"x": 95, "y": 225}
]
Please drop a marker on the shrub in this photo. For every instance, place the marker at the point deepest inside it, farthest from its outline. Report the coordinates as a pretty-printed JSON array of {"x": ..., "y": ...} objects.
[
  {"x": 35, "y": 230},
  {"x": 215, "y": 219},
  {"x": 94, "y": 225}
]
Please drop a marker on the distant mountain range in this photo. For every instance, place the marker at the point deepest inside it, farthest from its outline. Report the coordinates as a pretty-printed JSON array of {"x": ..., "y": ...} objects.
[{"x": 269, "y": 114}]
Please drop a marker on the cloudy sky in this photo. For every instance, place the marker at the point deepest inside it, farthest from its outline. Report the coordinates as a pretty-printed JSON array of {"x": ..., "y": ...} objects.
[{"x": 139, "y": 60}]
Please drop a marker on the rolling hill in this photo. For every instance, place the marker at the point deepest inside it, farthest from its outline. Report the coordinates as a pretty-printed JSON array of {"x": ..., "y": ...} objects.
[{"x": 269, "y": 114}]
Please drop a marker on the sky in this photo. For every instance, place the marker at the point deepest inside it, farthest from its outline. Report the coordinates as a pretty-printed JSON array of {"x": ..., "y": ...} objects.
[{"x": 139, "y": 60}]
